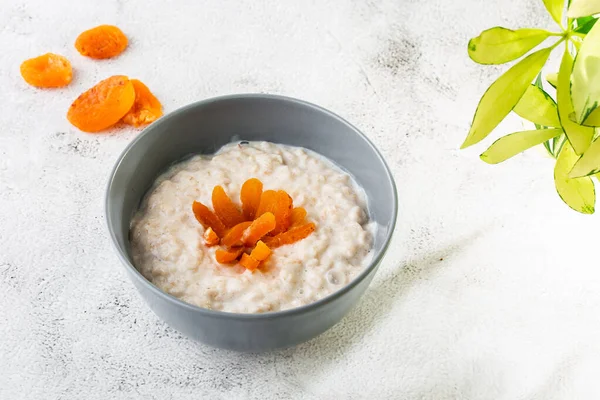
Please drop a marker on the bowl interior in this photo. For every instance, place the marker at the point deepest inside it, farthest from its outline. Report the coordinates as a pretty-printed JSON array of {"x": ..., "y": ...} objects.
[{"x": 204, "y": 127}]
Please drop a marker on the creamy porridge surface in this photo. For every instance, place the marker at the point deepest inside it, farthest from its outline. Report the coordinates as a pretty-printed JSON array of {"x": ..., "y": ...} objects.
[{"x": 168, "y": 248}]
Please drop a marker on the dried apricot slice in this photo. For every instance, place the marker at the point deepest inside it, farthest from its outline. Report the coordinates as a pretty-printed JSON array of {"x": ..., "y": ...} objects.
[
  {"x": 249, "y": 262},
  {"x": 208, "y": 219},
  {"x": 283, "y": 212},
  {"x": 227, "y": 212},
  {"x": 210, "y": 237},
  {"x": 103, "y": 105},
  {"x": 292, "y": 236},
  {"x": 233, "y": 237},
  {"x": 280, "y": 204},
  {"x": 228, "y": 256},
  {"x": 250, "y": 197},
  {"x": 259, "y": 228},
  {"x": 298, "y": 216},
  {"x": 47, "y": 71},
  {"x": 261, "y": 252},
  {"x": 146, "y": 107},
  {"x": 267, "y": 202},
  {"x": 104, "y": 41}
]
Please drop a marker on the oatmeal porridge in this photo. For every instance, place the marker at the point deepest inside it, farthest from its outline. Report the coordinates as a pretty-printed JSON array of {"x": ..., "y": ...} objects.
[{"x": 171, "y": 248}]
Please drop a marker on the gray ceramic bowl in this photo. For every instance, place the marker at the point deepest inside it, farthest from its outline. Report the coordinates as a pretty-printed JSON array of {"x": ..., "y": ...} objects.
[{"x": 204, "y": 127}]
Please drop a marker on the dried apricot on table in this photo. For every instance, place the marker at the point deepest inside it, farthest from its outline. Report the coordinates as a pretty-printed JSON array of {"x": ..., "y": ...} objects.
[
  {"x": 228, "y": 256},
  {"x": 227, "y": 212},
  {"x": 146, "y": 107},
  {"x": 233, "y": 237},
  {"x": 104, "y": 41},
  {"x": 210, "y": 237},
  {"x": 208, "y": 219},
  {"x": 261, "y": 252},
  {"x": 259, "y": 228},
  {"x": 103, "y": 105},
  {"x": 250, "y": 197},
  {"x": 47, "y": 71},
  {"x": 249, "y": 262},
  {"x": 292, "y": 236}
]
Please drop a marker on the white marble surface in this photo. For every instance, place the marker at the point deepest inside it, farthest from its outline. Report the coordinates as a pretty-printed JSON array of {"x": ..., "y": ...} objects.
[{"x": 490, "y": 289}]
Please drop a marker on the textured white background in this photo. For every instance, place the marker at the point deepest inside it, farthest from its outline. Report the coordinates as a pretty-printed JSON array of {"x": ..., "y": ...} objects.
[{"x": 490, "y": 289}]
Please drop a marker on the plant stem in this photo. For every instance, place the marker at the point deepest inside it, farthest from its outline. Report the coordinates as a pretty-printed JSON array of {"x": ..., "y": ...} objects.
[{"x": 557, "y": 43}]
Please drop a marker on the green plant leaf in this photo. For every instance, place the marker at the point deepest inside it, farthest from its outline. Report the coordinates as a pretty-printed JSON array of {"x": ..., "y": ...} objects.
[
  {"x": 515, "y": 143},
  {"x": 552, "y": 79},
  {"x": 585, "y": 24},
  {"x": 557, "y": 144},
  {"x": 579, "y": 136},
  {"x": 593, "y": 119},
  {"x": 538, "y": 107},
  {"x": 585, "y": 78},
  {"x": 583, "y": 8},
  {"x": 578, "y": 193},
  {"x": 588, "y": 163},
  {"x": 500, "y": 45},
  {"x": 555, "y": 8},
  {"x": 502, "y": 95}
]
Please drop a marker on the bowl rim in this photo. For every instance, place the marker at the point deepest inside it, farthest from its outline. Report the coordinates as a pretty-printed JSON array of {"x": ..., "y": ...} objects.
[{"x": 247, "y": 316}]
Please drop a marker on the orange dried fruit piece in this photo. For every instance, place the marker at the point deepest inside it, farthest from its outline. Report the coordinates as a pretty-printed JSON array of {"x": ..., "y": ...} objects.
[
  {"x": 103, "y": 105},
  {"x": 227, "y": 212},
  {"x": 250, "y": 197},
  {"x": 298, "y": 216},
  {"x": 233, "y": 237},
  {"x": 249, "y": 262},
  {"x": 210, "y": 237},
  {"x": 261, "y": 252},
  {"x": 292, "y": 236},
  {"x": 267, "y": 202},
  {"x": 228, "y": 256},
  {"x": 283, "y": 212},
  {"x": 280, "y": 204},
  {"x": 47, "y": 71},
  {"x": 259, "y": 228},
  {"x": 104, "y": 41},
  {"x": 208, "y": 219},
  {"x": 146, "y": 107}
]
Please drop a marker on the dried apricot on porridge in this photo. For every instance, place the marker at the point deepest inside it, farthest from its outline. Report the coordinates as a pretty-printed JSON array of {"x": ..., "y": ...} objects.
[
  {"x": 146, "y": 107},
  {"x": 103, "y": 105},
  {"x": 249, "y": 262},
  {"x": 227, "y": 212},
  {"x": 259, "y": 228},
  {"x": 233, "y": 237},
  {"x": 261, "y": 252},
  {"x": 267, "y": 202},
  {"x": 47, "y": 71},
  {"x": 298, "y": 216},
  {"x": 250, "y": 197},
  {"x": 228, "y": 256},
  {"x": 210, "y": 237},
  {"x": 104, "y": 41},
  {"x": 208, "y": 219},
  {"x": 282, "y": 210},
  {"x": 292, "y": 236}
]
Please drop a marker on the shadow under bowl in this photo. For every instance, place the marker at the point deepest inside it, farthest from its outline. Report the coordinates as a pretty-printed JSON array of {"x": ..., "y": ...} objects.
[{"x": 203, "y": 128}]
